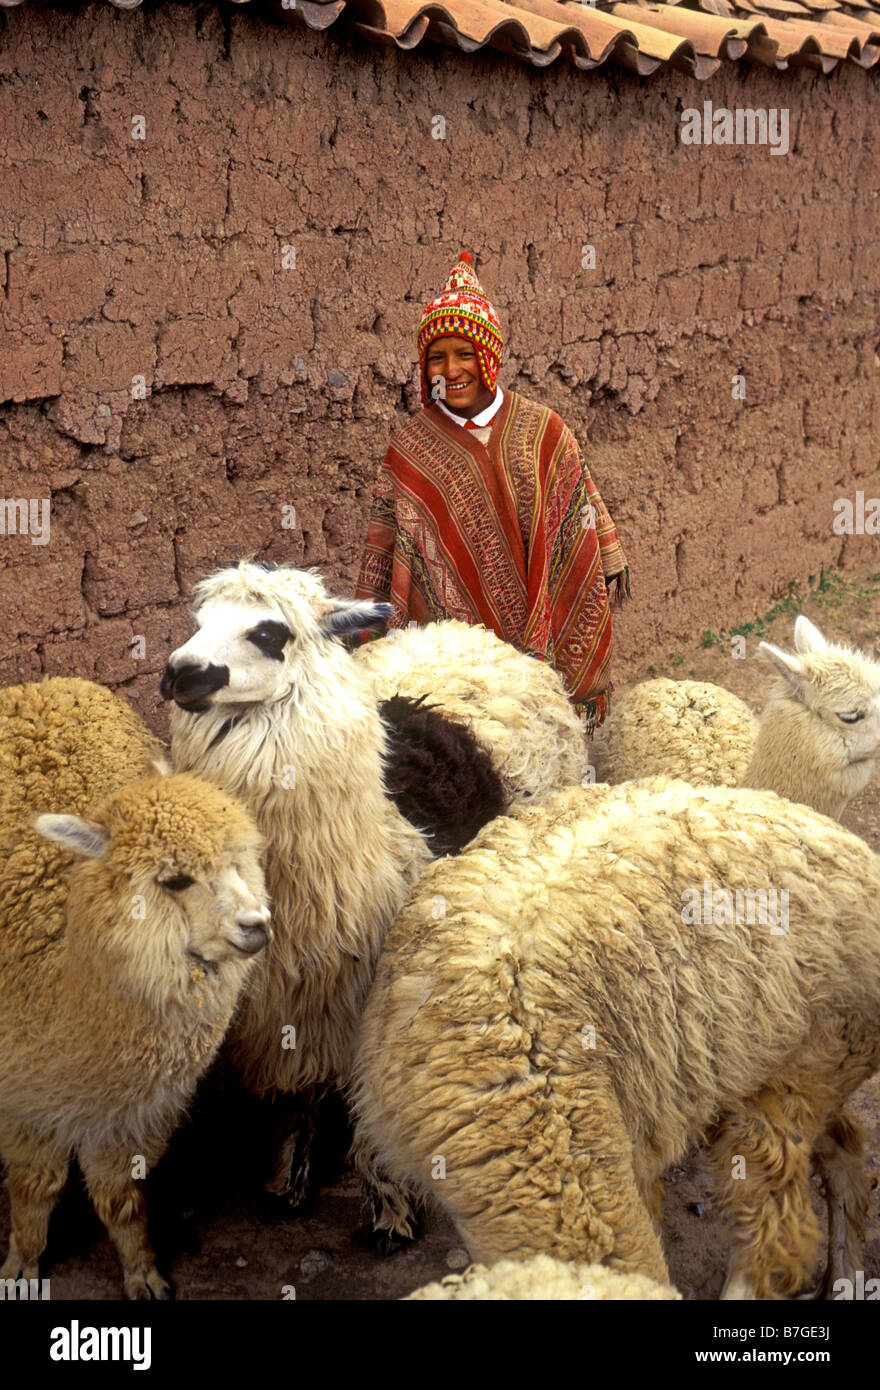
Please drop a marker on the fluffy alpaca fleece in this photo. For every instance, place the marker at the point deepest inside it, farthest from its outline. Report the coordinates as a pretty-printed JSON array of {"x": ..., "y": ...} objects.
[
  {"x": 689, "y": 729},
  {"x": 90, "y": 743},
  {"x": 516, "y": 706},
  {"x": 817, "y": 741},
  {"x": 125, "y": 940},
  {"x": 542, "y": 1278},
  {"x": 534, "y": 1056}
]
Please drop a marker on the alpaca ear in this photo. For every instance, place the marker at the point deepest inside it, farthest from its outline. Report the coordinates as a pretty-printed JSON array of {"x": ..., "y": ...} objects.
[
  {"x": 788, "y": 666},
  {"x": 80, "y": 836},
  {"x": 807, "y": 637},
  {"x": 351, "y": 615}
]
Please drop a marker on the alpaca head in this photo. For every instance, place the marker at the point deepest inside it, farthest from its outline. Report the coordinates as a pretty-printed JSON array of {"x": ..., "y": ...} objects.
[
  {"x": 840, "y": 688},
  {"x": 169, "y": 871},
  {"x": 260, "y": 629}
]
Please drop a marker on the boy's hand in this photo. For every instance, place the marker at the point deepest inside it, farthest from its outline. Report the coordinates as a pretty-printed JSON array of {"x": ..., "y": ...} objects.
[{"x": 615, "y": 587}]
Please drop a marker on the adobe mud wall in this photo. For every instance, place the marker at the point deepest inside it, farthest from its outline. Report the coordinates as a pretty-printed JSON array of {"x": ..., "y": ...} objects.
[{"x": 273, "y": 377}]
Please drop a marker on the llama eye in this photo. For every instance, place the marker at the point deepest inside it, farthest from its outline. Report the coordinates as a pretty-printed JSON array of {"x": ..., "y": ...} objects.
[
  {"x": 852, "y": 718},
  {"x": 176, "y": 884},
  {"x": 270, "y": 638}
]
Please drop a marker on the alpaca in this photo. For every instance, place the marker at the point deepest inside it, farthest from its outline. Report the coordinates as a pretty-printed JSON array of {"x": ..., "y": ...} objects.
[
  {"x": 267, "y": 699},
  {"x": 534, "y": 1057},
  {"x": 125, "y": 940},
  {"x": 542, "y": 1278},
  {"x": 514, "y": 704},
  {"x": 92, "y": 741},
  {"x": 817, "y": 741}
]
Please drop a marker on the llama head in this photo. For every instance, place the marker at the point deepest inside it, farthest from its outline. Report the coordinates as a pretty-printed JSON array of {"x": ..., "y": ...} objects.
[
  {"x": 840, "y": 687},
  {"x": 172, "y": 873},
  {"x": 259, "y": 629}
]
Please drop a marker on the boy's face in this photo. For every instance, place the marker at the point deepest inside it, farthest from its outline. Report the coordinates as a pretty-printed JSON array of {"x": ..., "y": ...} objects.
[{"x": 455, "y": 359}]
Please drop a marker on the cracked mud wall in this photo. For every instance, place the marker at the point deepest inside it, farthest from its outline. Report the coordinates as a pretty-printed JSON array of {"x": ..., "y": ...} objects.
[{"x": 163, "y": 260}]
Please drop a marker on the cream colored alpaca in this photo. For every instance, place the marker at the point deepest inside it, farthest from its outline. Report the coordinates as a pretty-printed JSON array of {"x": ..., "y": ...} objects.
[
  {"x": 554, "y": 1021},
  {"x": 270, "y": 702},
  {"x": 125, "y": 940},
  {"x": 542, "y": 1278},
  {"x": 515, "y": 705},
  {"x": 299, "y": 740},
  {"x": 817, "y": 740}
]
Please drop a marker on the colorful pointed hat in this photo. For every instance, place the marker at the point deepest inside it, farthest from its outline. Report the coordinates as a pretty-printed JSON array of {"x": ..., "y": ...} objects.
[{"x": 462, "y": 310}]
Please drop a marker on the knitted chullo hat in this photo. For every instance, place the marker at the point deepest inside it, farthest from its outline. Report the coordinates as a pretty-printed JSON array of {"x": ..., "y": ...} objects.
[{"x": 462, "y": 310}]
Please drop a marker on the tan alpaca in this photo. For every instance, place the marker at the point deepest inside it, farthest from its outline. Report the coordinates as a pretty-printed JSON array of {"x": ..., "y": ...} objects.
[
  {"x": 125, "y": 940},
  {"x": 550, "y": 1029},
  {"x": 817, "y": 740}
]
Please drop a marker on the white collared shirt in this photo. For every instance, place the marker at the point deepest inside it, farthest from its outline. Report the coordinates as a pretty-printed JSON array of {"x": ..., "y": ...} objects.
[{"x": 483, "y": 418}]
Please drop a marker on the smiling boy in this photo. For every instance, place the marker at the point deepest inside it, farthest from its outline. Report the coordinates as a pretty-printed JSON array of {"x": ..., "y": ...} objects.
[{"x": 483, "y": 510}]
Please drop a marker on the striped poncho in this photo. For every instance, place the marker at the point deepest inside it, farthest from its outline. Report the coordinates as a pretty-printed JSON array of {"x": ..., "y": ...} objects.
[{"x": 512, "y": 534}]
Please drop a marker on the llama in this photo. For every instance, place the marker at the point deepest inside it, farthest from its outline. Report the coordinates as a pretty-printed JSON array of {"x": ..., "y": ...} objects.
[
  {"x": 543, "y": 1278},
  {"x": 267, "y": 700}
]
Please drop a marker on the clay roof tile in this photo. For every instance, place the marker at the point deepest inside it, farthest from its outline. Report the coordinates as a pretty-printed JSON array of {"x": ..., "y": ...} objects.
[{"x": 696, "y": 36}]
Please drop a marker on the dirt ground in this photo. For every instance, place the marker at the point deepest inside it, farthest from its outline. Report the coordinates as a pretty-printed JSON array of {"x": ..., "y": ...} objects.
[{"x": 219, "y": 1237}]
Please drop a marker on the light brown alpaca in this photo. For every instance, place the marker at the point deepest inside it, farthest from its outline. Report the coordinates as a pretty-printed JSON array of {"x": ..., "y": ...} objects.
[
  {"x": 120, "y": 967},
  {"x": 553, "y": 1023}
]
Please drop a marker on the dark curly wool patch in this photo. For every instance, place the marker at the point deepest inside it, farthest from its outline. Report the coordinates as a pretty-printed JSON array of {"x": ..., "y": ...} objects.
[{"x": 437, "y": 774}]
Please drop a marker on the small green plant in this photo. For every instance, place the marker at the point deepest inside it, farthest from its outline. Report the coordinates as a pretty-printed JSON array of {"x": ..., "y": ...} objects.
[
  {"x": 709, "y": 639},
  {"x": 675, "y": 659}
]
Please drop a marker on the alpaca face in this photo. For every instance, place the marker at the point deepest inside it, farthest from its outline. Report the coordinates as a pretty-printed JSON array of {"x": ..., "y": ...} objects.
[
  {"x": 850, "y": 712},
  {"x": 841, "y": 689},
  {"x": 262, "y": 634},
  {"x": 219, "y": 916},
  {"x": 174, "y": 871}
]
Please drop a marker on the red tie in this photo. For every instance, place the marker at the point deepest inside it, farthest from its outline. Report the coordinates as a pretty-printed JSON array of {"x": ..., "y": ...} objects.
[{"x": 469, "y": 425}]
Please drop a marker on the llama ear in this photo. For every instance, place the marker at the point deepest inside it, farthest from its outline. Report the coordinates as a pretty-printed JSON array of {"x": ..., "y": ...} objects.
[
  {"x": 80, "y": 836},
  {"x": 351, "y": 615},
  {"x": 807, "y": 637},
  {"x": 787, "y": 665}
]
